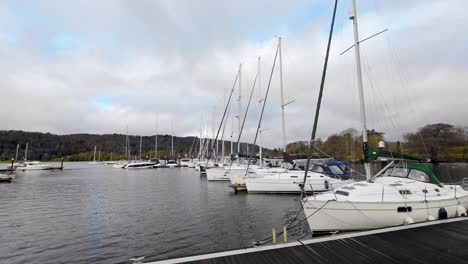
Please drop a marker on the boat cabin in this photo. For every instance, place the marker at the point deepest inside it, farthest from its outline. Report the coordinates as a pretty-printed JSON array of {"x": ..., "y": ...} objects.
[
  {"x": 334, "y": 169},
  {"x": 416, "y": 172}
]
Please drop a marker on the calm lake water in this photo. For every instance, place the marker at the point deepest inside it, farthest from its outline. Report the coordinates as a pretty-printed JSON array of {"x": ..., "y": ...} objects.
[{"x": 98, "y": 214}]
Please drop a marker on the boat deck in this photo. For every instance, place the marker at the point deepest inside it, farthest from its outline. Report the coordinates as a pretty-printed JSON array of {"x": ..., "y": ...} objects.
[{"x": 442, "y": 241}]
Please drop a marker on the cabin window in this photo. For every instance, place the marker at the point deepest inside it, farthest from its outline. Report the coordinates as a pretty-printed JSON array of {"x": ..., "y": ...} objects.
[
  {"x": 341, "y": 192},
  {"x": 317, "y": 168},
  {"x": 336, "y": 170},
  {"x": 397, "y": 172},
  {"x": 404, "y": 209},
  {"x": 437, "y": 190},
  {"x": 293, "y": 176},
  {"x": 418, "y": 175},
  {"x": 405, "y": 192}
]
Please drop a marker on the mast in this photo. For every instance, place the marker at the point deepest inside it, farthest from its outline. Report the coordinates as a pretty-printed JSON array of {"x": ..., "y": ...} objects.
[
  {"x": 17, "y": 149},
  {"x": 260, "y": 103},
  {"x": 156, "y": 139},
  {"x": 232, "y": 134},
  {"x": 172, "y": 140},
  {"x": 240, "y": 108},
  {"x": 26, "y": 152},
  {"x": 141, "y": 139},
  {"x": 127, "y": 146},
  {"x": 353, "y": 16},
  {"x": 94, "y": 156},
  {"x": 201, "y": 135},
  {"x": 283, "y": 124}
]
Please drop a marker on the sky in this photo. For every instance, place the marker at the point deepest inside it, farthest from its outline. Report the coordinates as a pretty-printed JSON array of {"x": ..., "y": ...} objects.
[{"x": 161, "y": 65}]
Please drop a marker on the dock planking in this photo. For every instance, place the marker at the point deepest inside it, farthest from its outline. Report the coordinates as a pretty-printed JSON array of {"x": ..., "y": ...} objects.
[{"x": 444, "y": 241}]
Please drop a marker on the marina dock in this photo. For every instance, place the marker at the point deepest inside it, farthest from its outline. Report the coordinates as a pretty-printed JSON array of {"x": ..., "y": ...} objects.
[{"x": 442, "y": 241}]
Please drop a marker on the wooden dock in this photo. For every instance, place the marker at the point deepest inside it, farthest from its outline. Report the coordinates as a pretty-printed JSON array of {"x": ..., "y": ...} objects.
[{"x": 442, "y": 241}]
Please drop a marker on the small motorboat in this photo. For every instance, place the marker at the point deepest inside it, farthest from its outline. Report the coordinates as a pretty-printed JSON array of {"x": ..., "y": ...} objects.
[
  {"x": 6, "y": 177},
  {"x": 33, "y": 165}
]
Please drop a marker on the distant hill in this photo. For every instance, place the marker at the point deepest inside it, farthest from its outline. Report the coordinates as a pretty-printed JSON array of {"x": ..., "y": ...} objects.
[{"x": 46, "y": 146}]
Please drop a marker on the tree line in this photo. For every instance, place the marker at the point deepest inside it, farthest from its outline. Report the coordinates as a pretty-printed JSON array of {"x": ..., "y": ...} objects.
[
  {"x": 435, "y": 142},
  {"x": 80, "y": 147}
]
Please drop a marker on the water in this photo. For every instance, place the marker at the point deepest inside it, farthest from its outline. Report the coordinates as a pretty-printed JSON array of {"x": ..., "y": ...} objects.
[{"x": 99, "y": 214}]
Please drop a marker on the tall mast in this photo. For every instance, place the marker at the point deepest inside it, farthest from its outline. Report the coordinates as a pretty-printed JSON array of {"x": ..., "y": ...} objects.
[
  {"x": 283, "y": 124},
  {"x": 201, "y": 135},
  {"x": 172, "y": 140},
  {"x": 26, "y": 152},
  {"x": 353, "y": 16},
  {"x": 222, "y": 140},
  {"x": 156, "y": 139},
  {"x": 94, "y": 157},
  {"x": 260, "y": 102},
  {"x": 141, "y": 139},
  {"x": 127, "y": 146},
  {"x": 17, "y": 149},
  {"x": 240, "y": 107},
  {"x": 232, "y": 134}
]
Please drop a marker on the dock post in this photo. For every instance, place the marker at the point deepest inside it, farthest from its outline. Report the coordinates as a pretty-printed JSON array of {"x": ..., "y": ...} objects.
[
  {"x": 12, "y": 164},
  {"x": 61, "y": 163},
  {"x": 285, "y": 234},
  {"x": 273, "y": 231}
]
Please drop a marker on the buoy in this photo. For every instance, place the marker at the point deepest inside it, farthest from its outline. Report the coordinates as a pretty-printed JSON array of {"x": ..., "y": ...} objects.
[
  {"x": 408, "y": 220},
  {"x": 461, "y": 211},
  {"x": 430, "y": 218}
]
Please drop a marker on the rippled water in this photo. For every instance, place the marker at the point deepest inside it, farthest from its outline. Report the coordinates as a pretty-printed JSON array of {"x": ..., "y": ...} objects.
[{"x": 98, "y": 214}]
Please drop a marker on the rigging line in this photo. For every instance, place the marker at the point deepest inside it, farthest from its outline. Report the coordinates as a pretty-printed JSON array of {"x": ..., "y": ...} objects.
[
  {"x": 324, "y": 153},
  {"x": 224, "y": 115},
  {"x": 263, "y": 106},
  {"x": 319, "y": 100},
  {"x": 270, "y": 238},
  {"x": 247, "y": 109}
]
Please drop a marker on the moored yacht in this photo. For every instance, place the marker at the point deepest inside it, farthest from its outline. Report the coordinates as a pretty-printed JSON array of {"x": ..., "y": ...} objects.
[
  {"x": 401, "y": 194},
  {"x": 322, "y": 177},
  {"x": 33, "y": 165},
  {"x": 139, "y": 165},
  {"x": 172, "y": 164},
  {"x": 185, "y": 162}
]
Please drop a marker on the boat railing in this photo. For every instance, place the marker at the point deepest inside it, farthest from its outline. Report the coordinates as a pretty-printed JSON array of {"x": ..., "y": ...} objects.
[{"x": 465, "y": 183}]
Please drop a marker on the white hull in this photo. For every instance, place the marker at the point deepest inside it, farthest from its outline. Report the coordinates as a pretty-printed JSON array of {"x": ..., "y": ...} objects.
[
  {"x": 6, "y": 178},
  {"x": 139, "y": 165},
  {"x": 289, "y": 183},
  {"x": 237, "y": 177},
  {"x": 347, "y": 216},
  {"x": 35, "y": 167},
  {"x": 217, "y": 174}
]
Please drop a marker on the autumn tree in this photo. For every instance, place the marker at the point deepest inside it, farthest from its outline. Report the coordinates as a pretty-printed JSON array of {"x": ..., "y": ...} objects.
[{"x": 436, "y": 140}]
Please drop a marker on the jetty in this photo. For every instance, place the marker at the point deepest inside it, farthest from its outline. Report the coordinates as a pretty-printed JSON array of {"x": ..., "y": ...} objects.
[{"x": 440, "y": 241}]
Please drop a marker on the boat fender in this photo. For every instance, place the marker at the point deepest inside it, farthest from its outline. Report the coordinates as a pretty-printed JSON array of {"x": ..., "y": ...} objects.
[
  {"x": 326, "y": 184},
  {"x": 408, "y": 220},
  {"x": 443, "y": 213},
  {"x": 461, "y": 211},
  {"x": 430, "y": 218}
]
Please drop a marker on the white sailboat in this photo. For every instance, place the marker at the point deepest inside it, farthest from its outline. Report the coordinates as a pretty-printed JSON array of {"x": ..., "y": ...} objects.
[{"x": 400, "y": 194}]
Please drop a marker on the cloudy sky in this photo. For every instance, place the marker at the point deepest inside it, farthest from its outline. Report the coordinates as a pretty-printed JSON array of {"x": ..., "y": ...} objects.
[{"x": 98, "y": 66}]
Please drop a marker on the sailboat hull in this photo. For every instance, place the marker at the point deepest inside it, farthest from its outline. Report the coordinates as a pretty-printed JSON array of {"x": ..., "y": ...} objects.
[
  {"x": 328, "y": 216},
  {"x": 290, "y": 184},
  {"x": 217, "y": 174}
]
